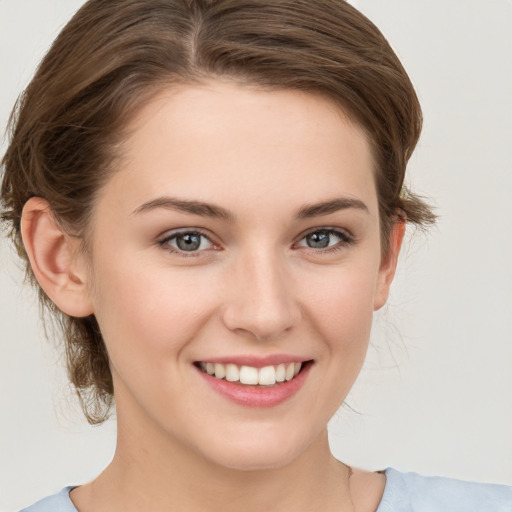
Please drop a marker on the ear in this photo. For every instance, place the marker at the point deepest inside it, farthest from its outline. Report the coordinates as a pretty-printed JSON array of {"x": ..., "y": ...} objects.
[
  {"x": 54, "y": 259},
  {"x": 388, "y": 264}
]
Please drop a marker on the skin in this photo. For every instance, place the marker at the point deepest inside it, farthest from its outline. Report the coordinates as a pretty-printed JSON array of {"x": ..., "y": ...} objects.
[{"x": 254, "y": 287}]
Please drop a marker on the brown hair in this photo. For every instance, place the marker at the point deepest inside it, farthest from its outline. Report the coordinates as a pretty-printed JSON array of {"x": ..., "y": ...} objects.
[{"x": 115, "y": 54}]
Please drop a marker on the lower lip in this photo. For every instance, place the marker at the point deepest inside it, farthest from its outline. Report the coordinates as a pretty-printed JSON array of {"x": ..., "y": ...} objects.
[{"x": 253, "y": 396}]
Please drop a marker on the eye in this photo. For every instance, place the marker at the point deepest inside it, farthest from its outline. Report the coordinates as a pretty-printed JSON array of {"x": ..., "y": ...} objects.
[
  {"x": 325, "y": 239},
  {"x": 187, "y": 242}
]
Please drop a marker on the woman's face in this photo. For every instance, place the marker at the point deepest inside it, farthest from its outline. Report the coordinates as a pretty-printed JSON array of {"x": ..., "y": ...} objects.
[{"x": 240, "y": 235}]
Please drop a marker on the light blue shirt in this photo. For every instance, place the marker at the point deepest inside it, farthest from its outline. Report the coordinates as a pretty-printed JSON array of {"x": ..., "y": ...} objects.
[{"x": 404, "y": 492}]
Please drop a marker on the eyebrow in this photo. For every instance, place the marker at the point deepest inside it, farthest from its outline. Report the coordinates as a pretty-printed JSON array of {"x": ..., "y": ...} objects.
[
  {"x": 194, "y": 207},
  {"x": 210, "y": 210},
  {"x": 332, "y": 206}
]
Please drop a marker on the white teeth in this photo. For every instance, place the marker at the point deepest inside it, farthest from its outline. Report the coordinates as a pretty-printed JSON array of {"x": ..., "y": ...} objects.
[
  {"x": 220, "y": 371},
  {"x": 280, "y": 373},
  {"x": 290, "y": 371},
  {"x": 248, "y": 375},
  {"x": 266, "y": 376},
  {"x": 232, "y": 373}
]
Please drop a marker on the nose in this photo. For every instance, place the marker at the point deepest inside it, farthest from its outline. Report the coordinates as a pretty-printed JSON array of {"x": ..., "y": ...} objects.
[{"x": 260, "y": 297}]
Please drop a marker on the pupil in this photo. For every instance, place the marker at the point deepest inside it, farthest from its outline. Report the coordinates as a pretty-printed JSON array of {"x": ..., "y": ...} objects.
[
  {"x": 319, "y": 240},
  {"x": 189, "y": 242}
]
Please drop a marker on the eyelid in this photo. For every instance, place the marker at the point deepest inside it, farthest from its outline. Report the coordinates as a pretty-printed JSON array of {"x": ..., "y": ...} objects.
[
  {"x": 343, "y": 234},
  {"x": 163, "y": 240}
]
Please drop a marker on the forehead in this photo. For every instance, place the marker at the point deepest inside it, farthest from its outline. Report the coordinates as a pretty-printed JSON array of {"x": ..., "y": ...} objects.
[{"x": 220, "y": 141}]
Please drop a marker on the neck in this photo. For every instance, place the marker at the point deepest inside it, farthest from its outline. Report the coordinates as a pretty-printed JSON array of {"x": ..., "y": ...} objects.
[{"x": 168, "y": 476}]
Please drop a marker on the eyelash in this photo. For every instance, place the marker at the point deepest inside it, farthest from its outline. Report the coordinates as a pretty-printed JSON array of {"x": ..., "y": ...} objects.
[
  {"x": 164, "y": 243},
  {"x": 345, "y": 240}
]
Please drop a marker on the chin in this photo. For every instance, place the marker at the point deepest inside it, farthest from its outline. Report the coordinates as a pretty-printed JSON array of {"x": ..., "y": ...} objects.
[
  {"x": 256, "y": 452},
  {"x": 249, "y": 460}
]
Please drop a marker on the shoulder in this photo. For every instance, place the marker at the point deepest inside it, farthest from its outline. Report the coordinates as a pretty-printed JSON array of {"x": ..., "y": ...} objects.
[
  {"x": 410, "y": 492},
  {"x": 60, "y": 502}
]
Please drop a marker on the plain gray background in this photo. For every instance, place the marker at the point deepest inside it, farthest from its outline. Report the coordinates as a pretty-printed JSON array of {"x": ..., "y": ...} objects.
[{"x": 435, "y": 394}]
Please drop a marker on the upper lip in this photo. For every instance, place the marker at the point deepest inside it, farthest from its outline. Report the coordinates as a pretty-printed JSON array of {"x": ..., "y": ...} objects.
[{"x": 256, "y": 361}]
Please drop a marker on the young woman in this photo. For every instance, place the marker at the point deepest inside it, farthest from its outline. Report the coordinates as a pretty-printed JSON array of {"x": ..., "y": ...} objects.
[{"x": 209, "y": 196}]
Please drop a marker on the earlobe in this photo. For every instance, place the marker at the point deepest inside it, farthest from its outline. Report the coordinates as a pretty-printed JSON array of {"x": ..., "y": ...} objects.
[
  {"x": 388, "y": 264},
  {"x": 53, "y": 258}
]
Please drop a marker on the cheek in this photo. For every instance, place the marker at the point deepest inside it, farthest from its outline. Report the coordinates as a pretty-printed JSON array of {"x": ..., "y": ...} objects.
[
  {"x": 342, "y": 305},
  {"x": 154, "y": 311},
  {"x": 340, "y": 314}
]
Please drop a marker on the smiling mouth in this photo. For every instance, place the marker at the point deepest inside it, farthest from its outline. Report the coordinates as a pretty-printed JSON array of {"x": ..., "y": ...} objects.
[{"x": 249, "y": 375}]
